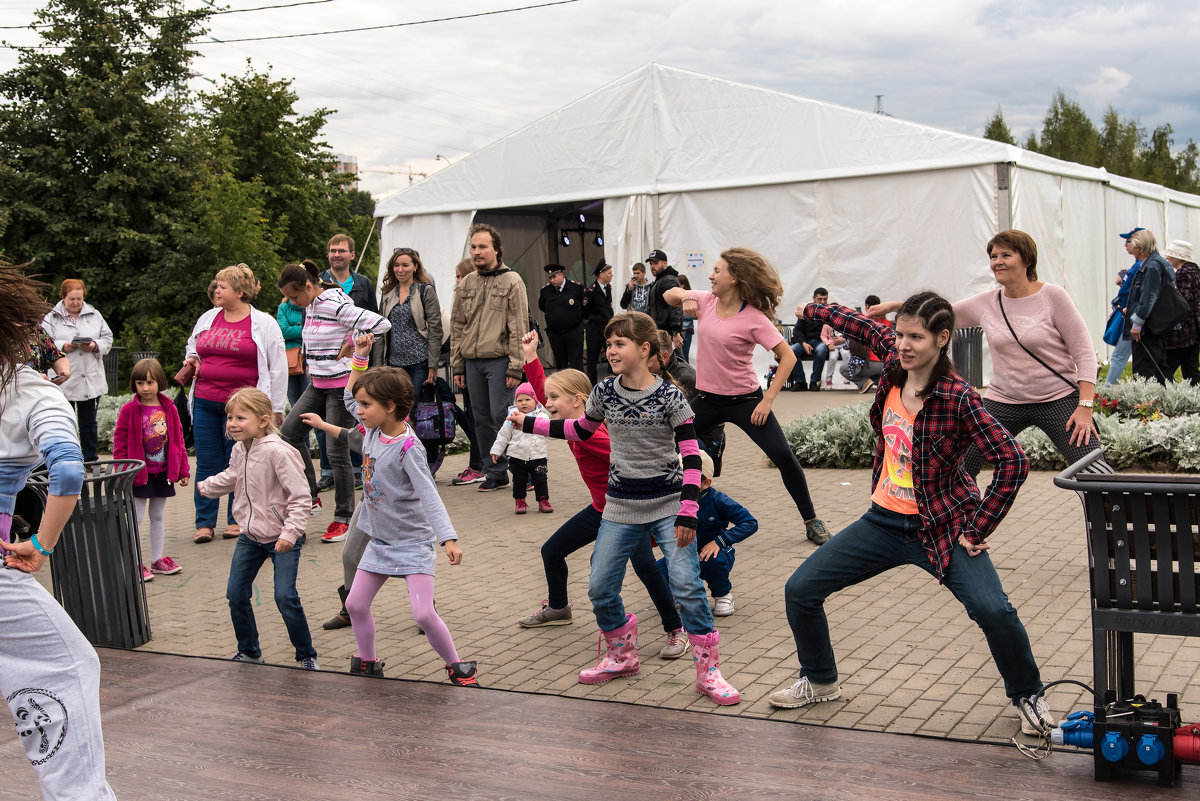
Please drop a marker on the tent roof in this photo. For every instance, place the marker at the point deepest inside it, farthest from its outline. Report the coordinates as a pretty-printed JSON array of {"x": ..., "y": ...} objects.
[{"x": 661, "y": 129}]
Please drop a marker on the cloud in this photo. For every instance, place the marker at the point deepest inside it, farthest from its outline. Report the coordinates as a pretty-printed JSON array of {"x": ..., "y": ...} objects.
[{"x": 1105, "y": 87}]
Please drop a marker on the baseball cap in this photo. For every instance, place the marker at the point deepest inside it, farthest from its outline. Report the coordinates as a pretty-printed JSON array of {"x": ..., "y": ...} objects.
[
  {"x": 1131, "y": 233},
  {"x": 657, "y": 255}
]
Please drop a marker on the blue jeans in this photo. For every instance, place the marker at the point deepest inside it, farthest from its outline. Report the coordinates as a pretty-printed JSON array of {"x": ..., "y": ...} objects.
[
  {"x": 819, "y": 355},
  {"x": 878, "y": 541},
  {"x": 213, "y": 448},
  {"x": 616, "y": 543},
  {"x": 1118, "y": 360},
  {"x": 713, "y": 571},
  {"x": 248, "y": 558}
]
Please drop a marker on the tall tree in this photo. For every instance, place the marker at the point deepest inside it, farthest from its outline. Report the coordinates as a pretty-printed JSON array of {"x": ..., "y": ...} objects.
[
  {"x": 1068, "y": 133},
  {"x": 997, "y": 129},
  {"x": 1120, "y": 142},
  {"x": 1157, "y": 160}
]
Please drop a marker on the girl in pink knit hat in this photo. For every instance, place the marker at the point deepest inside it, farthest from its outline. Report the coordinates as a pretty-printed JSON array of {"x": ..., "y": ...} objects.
[{"x": 526, "y": 452}]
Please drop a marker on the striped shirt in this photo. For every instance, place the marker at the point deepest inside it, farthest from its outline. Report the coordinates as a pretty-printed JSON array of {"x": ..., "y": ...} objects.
[{"x": 330, "y": 322}]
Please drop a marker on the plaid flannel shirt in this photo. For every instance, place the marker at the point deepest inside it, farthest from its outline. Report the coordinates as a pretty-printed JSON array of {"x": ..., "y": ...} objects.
[{"x": 953, "y": 417}]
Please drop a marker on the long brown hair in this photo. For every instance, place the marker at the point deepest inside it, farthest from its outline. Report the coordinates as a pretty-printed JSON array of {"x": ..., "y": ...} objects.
[
  {"x": 758, "y": 281},
  {"x": 419, "y": 274},
  {"x": 21, "y": 311}
]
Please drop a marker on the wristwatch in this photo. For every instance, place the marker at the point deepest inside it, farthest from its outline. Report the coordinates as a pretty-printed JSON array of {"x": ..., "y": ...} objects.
[{"x": 1087, "y": 404}]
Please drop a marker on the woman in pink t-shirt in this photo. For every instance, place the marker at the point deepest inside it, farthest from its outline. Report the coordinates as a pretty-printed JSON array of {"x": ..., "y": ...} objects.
[{"x": 737, "y": 315}]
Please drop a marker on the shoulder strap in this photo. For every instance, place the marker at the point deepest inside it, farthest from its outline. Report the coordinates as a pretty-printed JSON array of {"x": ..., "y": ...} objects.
[{"x": 1000, "y": 300}]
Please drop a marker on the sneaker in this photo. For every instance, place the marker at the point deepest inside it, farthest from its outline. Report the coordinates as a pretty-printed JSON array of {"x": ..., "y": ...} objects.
[
  {"x": 462, "y": 674},
  {"x": 1036, "y": 719},
  {"x": 468, "y": 476},
  {"x": 829, "y": 384},
  {"x": 522, "y": 507},
  {"x": 676, "y": 646},
  {"x": 316, "y": 508},
  {"x": 308, "y": 663},
  {"x": 547, "y": 617},
  {"x": 815, "y": 530},
  {"x": 335, "y": 533},
  {"x": 146, "y": 574},
  {"x": 803, "y": 693},
  {"x": 544, "y": 505},
  {"x": 358, "y": 481},
  {"x": 244, "y": 657},
  {"x": 723, "y": 605},
  {"x": 529, "y": 485},
  {"x": 492, "y": 483},
  {"x": 867, "y": 387},
  {"x": 325, "y": 484},
  {"x": 166, "y": 566},
  {"x": 814, "y": 386}
]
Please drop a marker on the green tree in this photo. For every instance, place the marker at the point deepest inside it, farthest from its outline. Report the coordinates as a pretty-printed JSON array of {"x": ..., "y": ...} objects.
[
  {"x": 1068, "y": 133},
  {"x": 1120, "y": 143},
  {"x": 997, "y": 129},
  {"x": 359, "y": 222},
  {"x": 1157, "y": 162}
]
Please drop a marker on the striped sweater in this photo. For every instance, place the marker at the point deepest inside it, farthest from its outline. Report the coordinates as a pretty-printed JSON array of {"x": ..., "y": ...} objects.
[{"x": 330, "y": 322}]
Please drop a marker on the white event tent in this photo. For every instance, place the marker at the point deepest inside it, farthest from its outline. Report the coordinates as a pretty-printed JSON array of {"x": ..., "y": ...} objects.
[{"x": 853, "y": 201}]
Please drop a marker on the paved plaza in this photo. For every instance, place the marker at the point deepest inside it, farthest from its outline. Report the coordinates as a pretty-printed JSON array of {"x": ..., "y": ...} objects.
[{"x": 910, "y": 659}]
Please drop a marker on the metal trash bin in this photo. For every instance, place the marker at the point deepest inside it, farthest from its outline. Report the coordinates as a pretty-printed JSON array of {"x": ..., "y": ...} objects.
[
  {"x": 111, "y": 362},
  {"x": 966, "y": 351},
  {"x": 138, "y": 355},
  {"x": 96, "y": 566}
]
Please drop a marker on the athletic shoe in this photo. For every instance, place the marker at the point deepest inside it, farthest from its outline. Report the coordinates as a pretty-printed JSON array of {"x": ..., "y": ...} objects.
[
  {"x": 1036, "y": 719},
  {"x": 335, "y": 533},
  {"x": 316, "y": 509},
  {"x": 358, "y": 481},
  {"x": 462, "y": 674},
  {"x": 677, "y": 645},
  {"x": 325, "y": 484},
  {"x": 547, "y": 617},
  {"x": 244, "y": 657},
  {"x": 166, "y": 566},
  {"x": 468, "y": 476},
  {"x": 829, "y": 384},
  {"x": 867, "y": 387},
  {"x": 815, "y": 530},
  {"x": 522, "y": 507},
  {"x": 308, "y": 663},
  {"x": 544, "y": 506},
  {"x": 803, "y": 693},
  {"x": 492, "y": 483},
  {"x": 814, "y": 386},
  {"x": 723, "y": 605},
  {"x": 146, "y": 574}
]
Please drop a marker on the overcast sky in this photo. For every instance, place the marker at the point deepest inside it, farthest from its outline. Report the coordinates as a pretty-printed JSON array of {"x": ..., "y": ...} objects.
[{"x": 407, "y": 94}]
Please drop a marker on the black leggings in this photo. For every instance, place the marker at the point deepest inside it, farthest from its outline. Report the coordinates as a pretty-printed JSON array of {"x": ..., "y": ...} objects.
[
  {"x": 711, "y": 409},
  {"x": 1050, "y": 416},
  {"x": 524, "y": 471}
]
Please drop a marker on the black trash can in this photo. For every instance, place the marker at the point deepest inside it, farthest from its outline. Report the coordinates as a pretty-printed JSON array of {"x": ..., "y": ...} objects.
[
  {"x": 111, "y": 362},
  {"x": 966, "y": 351},
  {"x": 96, "y": 567}
]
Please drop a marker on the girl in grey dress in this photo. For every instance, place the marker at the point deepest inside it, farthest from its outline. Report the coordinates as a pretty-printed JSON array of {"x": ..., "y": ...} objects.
[{"x": 402, "y": 514}]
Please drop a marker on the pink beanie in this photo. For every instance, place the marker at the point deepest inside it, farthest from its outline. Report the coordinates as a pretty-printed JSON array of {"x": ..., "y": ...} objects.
[{"x": 525, "y": 388}]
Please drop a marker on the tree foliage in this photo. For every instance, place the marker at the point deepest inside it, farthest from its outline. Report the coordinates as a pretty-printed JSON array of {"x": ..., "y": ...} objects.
[{"x": 997, "y": 129}]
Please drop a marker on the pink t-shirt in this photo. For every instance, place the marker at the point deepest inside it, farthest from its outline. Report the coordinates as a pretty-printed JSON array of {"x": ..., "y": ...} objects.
[
  {"x": 228, "y": 359},
  {"x": 726, "y": 345},
  {"x": 154, "y": 437}
]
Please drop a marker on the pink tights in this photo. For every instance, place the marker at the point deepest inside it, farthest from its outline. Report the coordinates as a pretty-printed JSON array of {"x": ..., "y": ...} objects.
[{"x": 420, "y": 596}]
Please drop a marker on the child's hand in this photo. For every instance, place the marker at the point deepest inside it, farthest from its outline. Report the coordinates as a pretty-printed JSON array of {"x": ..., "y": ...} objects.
[
  {"x": 282, "y": 545},
  {"x": 312, "y": 420},
  {"x": 183, "y": 481},
  {"x": 709, "y": 551},
  {"x": 517, "y": 419},
  {"x": 529, "y": 346},
  {"x": 22, "y": 556},
  {"x": 684, "y": 536},
  {"x": 363, "y": 343},
  {"x": 453, "y": 552}
]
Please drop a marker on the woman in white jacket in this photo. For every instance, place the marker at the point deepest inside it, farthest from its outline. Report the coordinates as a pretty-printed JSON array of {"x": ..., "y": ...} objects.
[
  {"x": 79, "y": 331},
  {"x": 232, "y": 346}
]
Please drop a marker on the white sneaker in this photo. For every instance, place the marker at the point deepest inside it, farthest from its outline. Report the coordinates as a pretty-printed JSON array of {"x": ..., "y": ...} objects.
[
  {"x": 677, "y": 645},
  {"x": 1036, "y": 719},
  {"x": 803, "y": 693},
  {"x": 723, "y": 605}
]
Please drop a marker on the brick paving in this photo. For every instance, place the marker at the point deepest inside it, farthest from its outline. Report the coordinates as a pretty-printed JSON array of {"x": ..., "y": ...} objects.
[{"x": 911, "y": 661}]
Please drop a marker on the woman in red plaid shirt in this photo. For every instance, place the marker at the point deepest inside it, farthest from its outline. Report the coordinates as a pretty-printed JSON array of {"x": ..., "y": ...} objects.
[{"x": 925, "y": 507}]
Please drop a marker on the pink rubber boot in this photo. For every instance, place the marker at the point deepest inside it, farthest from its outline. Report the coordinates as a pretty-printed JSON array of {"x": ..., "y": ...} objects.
[
  {"x": 619, "y": 658},
  {"x": 709, "y": 680}
]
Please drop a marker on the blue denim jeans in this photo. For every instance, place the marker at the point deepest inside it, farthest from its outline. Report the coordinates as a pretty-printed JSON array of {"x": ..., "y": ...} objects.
[
  {"x": 213, "y": 448},
  {"x": 714, "y": 572},
  {"x": 248, "y": 558},
  {"x": 878, "y": 541},
  {"x": 615, "y": 543},
  {"x": 1118, "y": 360},
  {"x": 819, "y": 355}
]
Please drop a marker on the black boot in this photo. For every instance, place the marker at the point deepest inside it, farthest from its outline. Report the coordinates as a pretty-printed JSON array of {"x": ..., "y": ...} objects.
[
  {"x": 365, "y": 667},
  {"x": 341, "y": 619}
]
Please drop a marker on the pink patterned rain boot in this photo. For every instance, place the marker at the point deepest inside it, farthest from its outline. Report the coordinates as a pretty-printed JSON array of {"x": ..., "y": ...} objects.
[
  {"x": 620, "y": 658},
  {"x": 709, "y": 680}
]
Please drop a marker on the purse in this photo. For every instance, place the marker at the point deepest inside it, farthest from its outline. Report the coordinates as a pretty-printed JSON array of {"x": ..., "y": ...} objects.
[
  {"x": 1169, "y": 308},
  {"x": 185, "y": 374},
  {"x": 432, "y": 416},
  {"x": 1114, "y": 328},
  {"x": 295, "y": 361}
]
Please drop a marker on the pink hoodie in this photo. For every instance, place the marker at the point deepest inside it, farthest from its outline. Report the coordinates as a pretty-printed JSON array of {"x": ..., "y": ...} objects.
[{"x": 270, "y": 492}]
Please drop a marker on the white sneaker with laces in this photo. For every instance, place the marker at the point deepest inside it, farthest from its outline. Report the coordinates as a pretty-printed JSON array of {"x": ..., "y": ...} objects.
[
  {"x": 723, "y": 605},
  {"x": 1036, "y": 719},
  {"x": 803, "y": 693}
]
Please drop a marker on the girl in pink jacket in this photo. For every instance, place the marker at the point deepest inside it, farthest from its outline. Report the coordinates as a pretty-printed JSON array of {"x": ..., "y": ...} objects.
[{"x": 271, "y": 505}]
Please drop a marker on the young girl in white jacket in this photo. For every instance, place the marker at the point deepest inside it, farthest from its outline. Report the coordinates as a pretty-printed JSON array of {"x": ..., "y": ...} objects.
[{"x": 527, "y": 453}]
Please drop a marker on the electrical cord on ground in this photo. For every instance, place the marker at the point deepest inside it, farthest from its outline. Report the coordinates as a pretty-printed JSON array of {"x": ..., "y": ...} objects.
[{"x": 1027, "y": 708}]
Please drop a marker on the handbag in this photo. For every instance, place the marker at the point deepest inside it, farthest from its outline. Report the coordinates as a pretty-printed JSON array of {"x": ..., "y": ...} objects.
[
  {"x": 1114, "y": 328},
  {"x": 295, "y": 361},
  {"x": 1170, "y": 307},
  {"x": 1000, "y": 300},
  {"x": 433, "y": 415}
]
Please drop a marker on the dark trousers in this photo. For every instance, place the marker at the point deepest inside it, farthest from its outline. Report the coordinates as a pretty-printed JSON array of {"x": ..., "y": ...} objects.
[
  {"x": 712, "y": 409},
  {"x": 329, "y": 404},
  {"x": 567, "y": 347},
  {"x": 595, "y": 349},
  {"x": 1051, "y": 417},
  {"x": 1150, "y": 358},
  {"x": 1186, "y": 360},
  {"x": 525, "y": 471},
  {"x": 89, "y": 438},
  {"x": 579, "y": 532},
  {"x": 714, "y": 571}
]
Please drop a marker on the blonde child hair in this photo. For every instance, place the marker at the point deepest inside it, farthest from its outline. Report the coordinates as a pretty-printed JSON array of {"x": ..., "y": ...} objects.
[
  {"x": 256, "y": 402},
  {"x": 570, "y": 382}
]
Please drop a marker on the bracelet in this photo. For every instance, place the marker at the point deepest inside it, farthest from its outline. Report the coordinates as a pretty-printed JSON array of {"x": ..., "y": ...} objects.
[
  {"x": 37, "y": 546},
  {"x": 361, "y": 369},
  {"x": 359, "y": 363}
]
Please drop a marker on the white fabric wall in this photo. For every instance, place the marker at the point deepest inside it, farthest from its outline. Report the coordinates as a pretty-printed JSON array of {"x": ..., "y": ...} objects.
[
  {"x": 441, "y": 239},
  {"x": 628, "y": 236}
]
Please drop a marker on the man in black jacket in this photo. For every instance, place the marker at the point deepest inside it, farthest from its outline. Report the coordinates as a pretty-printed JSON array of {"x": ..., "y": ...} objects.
[
  {"x": 667, "y": 317},
  {"x": 597, "y": 311},
  {"x": 561, "y": 301},
  {"x": 806, "y": 344}
]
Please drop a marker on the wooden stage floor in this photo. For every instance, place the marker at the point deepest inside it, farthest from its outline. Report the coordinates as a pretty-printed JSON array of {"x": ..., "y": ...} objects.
[{"x": 181, "y": 728}]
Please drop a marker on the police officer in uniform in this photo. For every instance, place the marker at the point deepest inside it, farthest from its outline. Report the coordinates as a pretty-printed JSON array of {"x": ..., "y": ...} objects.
[
  {"x": 597, "y": 311},
  {"x": 561, "y": 301}
]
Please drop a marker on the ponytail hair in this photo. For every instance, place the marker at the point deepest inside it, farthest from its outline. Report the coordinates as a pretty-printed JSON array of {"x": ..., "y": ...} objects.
[
  {"x": 937, "y": 315},
  {"x": 297, "y": 276}
]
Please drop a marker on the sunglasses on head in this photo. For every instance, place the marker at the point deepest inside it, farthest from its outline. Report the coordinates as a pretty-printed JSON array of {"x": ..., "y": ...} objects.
[{"x": 406, "y": 252}]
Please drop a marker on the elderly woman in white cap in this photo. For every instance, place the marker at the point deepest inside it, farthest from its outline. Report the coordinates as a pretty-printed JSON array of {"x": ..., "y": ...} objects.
[{"x": 1183, "y": 341}]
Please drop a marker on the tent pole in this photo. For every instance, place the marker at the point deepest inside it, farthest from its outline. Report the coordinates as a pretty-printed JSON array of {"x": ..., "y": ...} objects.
[{"x": 1003, "y": 196}]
